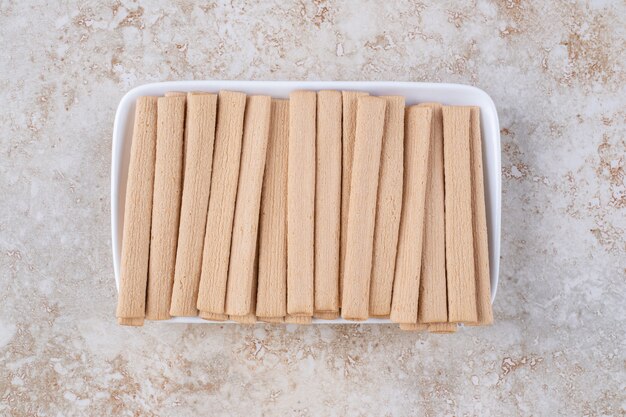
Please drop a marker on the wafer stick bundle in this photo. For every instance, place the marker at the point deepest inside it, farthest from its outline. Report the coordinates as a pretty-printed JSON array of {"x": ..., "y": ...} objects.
[
  {"x": 370, "y": 122},
  {"x": 322, "y": 206},
  {"x": 168, "y": 183},
  {"x": 221, "y": 211},
  {"x": 199, "y": 140},
  {"x": 433, "y": 306},
  {"x": 388, "y": 208},
  {"x": 241, "y": 271}
]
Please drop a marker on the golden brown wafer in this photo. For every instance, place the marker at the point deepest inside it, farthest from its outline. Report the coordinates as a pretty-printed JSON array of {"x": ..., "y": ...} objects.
[
  {"x": 241, "y": 271},
  {"x": 404, "y": 304},
  {"x": 326, "y": 315},
  {"x": 245, "y": 319},
  {"x": 272, "y": 320},
  {"x": 301, "y": 203},
  {"x": 168, "y": 186},
  {"x": 221, "y": 211},
  {"x": 272, "y": 282},
  {"x": 213, "y": 316},
  {"x": 349, "y": 101},
  {"x": 137, "y": 215},
  {"x": 481, "y": 244},
  {"x": 388, "y": 208},
  {"x": 199, "y": 140},
  {"x": 460, "y": 270},
  {"x": 433, "y": 300},
  {"x": 328, "y": 201},
  {"x": 133, "y": 321},
  {"x": 370, "y": 124},
  {"x": 413, "y": 327},
  {"x": 298, "y": 319},
  {"x": 442, "y": 328}
]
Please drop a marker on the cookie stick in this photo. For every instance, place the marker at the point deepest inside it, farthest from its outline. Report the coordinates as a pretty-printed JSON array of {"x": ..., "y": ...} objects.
[
  {"x": 199, "y": 140},
  {"x": 349, "y": 100},
  {"x": 433, "y": 300},
  {"x": 458, "y": 215},
  {"x": 388, "y": 208},
  {"x": 481, "y": 244},
  {"x": 301, "y": 203},
  {"x": 251, "y": 317},
  {"x": 298, "y": 319},
  {"x": 241, "y": 270},
  {"x": 217, "y": 239},
  {"x": 159, "y": 292},
  {"x": 245, "y": 319},
  {"x": 442, "y": 328},
  {"x": 134, "y": 321},
  {"x": 168, "y": 185},
  {"x": 137, "y": 215},
  {"x": 272, "y": 282},
  {"x": 332, "y": 315},
  {"x": 327, "y": 202},
  {"x": 213, "y": 316},
  {"x": 370, "y": 122},
  {"x": 404, "y": 304},
  {"x": 271, "y": 320},
  {"x": 413, "y": 327}
]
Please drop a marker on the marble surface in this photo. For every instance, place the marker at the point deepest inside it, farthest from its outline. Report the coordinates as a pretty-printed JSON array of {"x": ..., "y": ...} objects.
[{"x": 556, "y": 73}]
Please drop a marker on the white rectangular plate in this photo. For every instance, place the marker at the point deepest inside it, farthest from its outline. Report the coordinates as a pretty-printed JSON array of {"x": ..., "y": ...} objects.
[{"x": 450, "y": 94}]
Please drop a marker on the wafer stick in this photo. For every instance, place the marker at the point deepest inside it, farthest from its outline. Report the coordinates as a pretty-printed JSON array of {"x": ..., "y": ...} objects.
[
  {"x": 271, "y": 320},
  {"x": 166, "y": 204},
  {"x": 251, "y": 318},
  {"x": 328, "y": 201},
  {"x": 137, "y": 215},
  {"x": 332, "y": 315},
  {"x": 458, "y": 215},
  {"x": 301, "y": 203},
  {"x": 404, "y": 304},
  {"x": 130, "y": 321},
  {"x": 413, "y": 327},
  {"x": 298, "y": 319},
  {"x": 272, "y": 283},
  {"x": 349, "y": 102},
  {"x": 370, "y": 123},
  {"x": 217, "y": 240},
  {"x": 245, "y": 319},
  {"x": 433, "y": 306},
  {"x": 213, "y": 316},
  {"x": 188, "y": 94},
  {"x": 241, "y": 271},
  {"x": 200, "y": 135},
  {"x": 388, "y": 208},
  {"x": 442, "y": 328},
  {"x": 481, "y": 244}
]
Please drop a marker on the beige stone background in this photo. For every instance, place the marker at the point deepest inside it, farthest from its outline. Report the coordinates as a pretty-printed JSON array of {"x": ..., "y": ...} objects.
[{"x": 556, "y": 73}]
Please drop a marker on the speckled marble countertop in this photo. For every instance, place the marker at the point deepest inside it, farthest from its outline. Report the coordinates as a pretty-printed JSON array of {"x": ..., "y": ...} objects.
[{"x": 556, "y": 73}]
